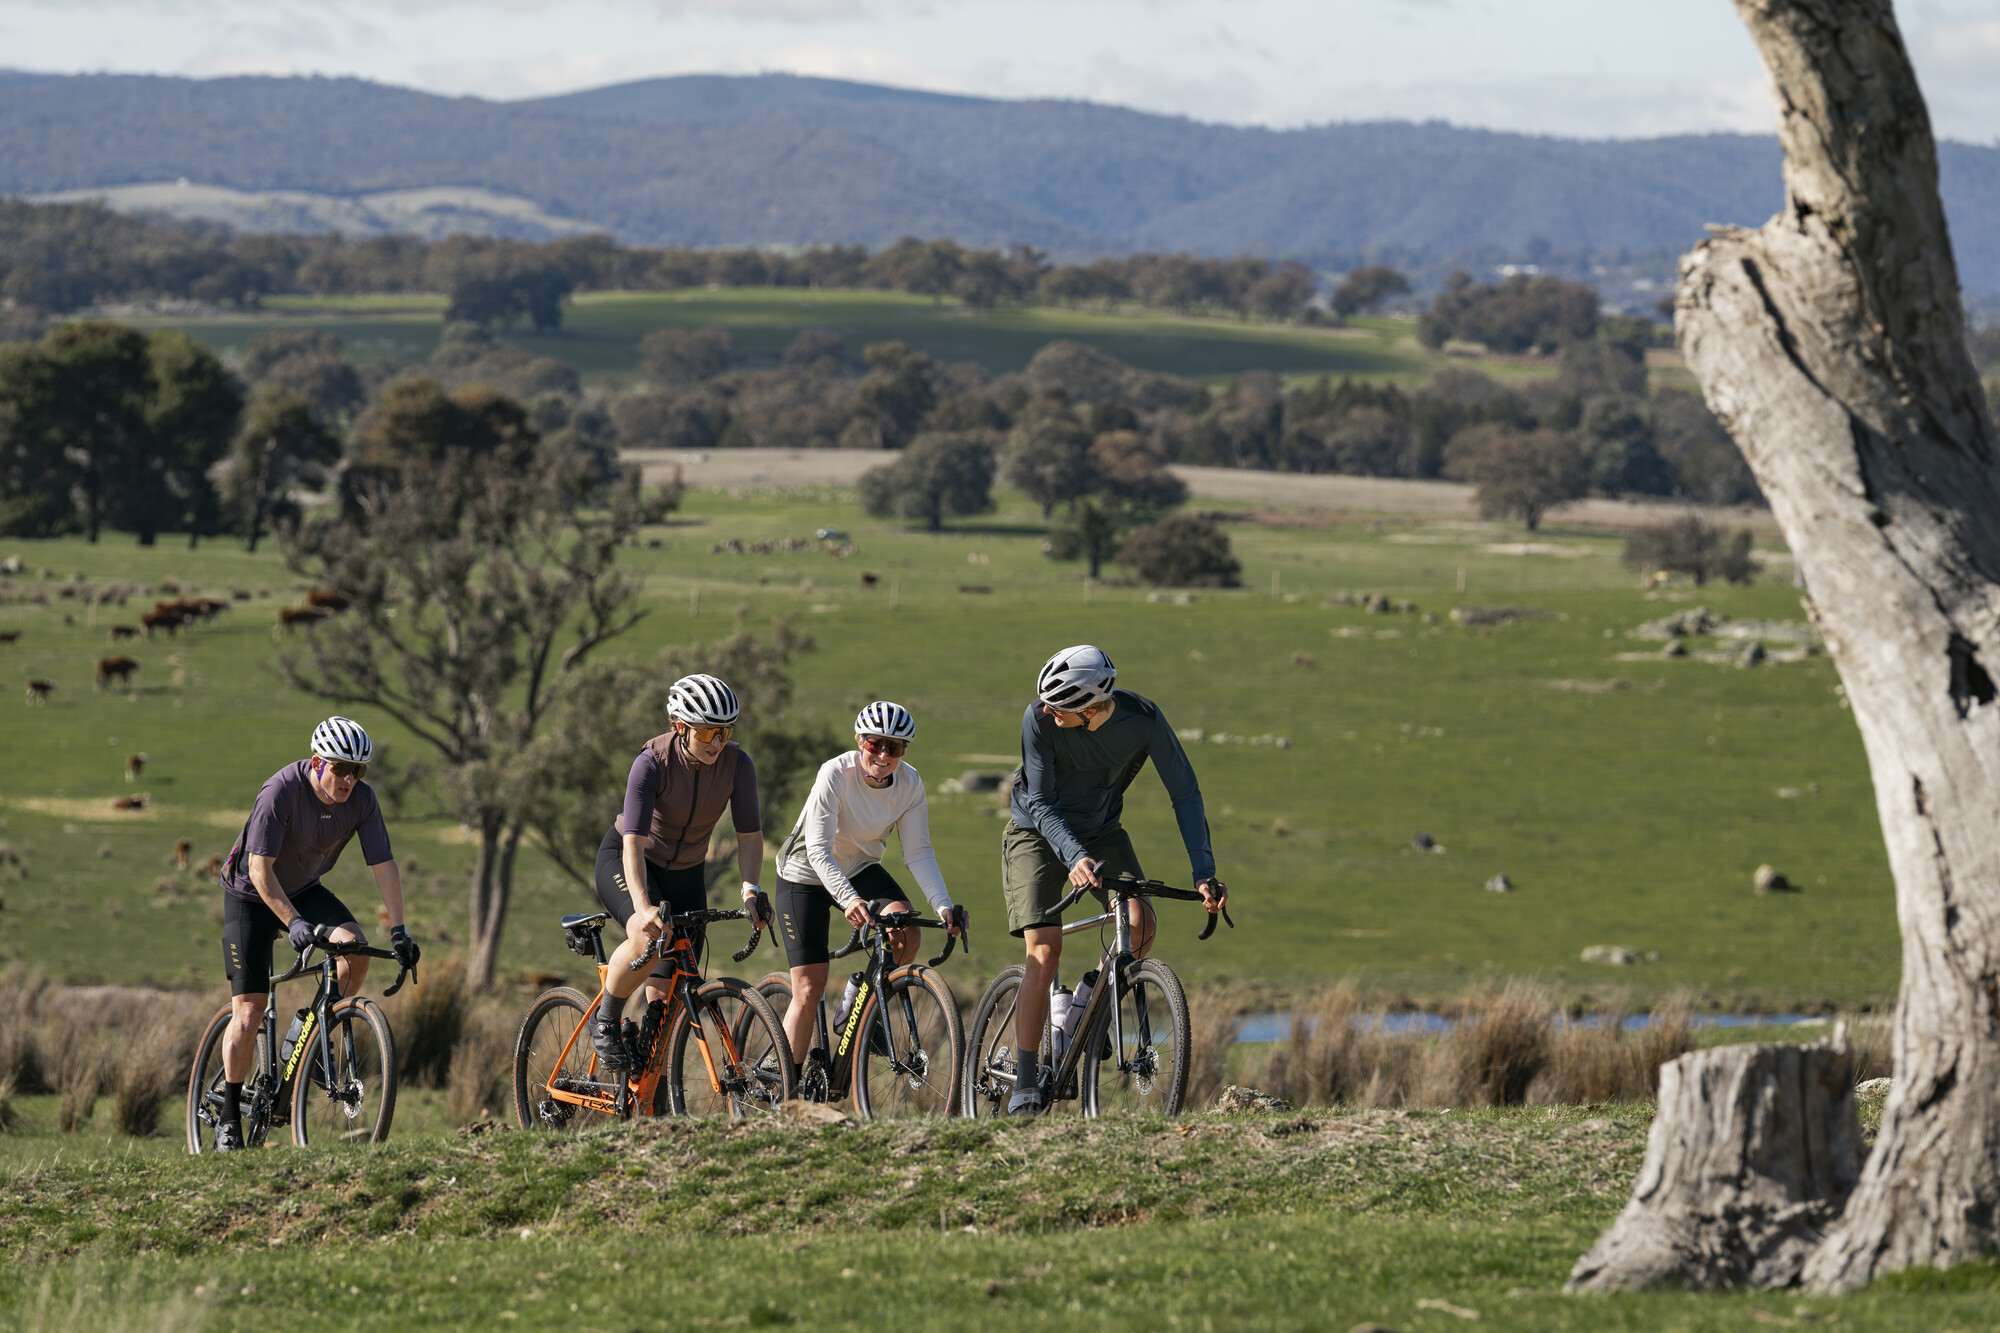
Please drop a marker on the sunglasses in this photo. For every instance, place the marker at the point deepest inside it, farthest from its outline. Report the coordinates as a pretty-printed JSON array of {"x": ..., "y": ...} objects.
[
  {"x": 707, "y": 735},
  {"x": 343, "y": 769},
  {"x": 883, "y": 745},
  {"x": 1092, "y": 711}
]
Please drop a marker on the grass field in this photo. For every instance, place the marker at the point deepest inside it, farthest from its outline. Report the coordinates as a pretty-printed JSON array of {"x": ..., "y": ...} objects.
[
  {"x": 1313, "y": 1220},
  {"x": 1631, "y": 816},
  {"x": 601, "y": 332}
]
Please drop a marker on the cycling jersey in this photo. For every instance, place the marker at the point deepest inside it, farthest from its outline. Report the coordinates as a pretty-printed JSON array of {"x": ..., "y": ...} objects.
[
  {"x": 1072, "y": 780},
  {"x": 845, "y": 827},
  {"x": 675, "y": 802},
  {"x": 304, "y": 833}
]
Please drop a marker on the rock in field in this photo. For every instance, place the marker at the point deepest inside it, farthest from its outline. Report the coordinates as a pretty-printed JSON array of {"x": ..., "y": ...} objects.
[
  {"x": 1768, "y": 880},
  {"x": 1233, "y": 1098},
  {"x": 1610, "y": 955},
  {"x": 1874, "y": 1087},
  {"x": 1500, "y": 884}
]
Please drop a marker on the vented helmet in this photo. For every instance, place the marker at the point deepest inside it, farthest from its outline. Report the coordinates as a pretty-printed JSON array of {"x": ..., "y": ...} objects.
[
  {"x": 702, "y": 701},
  {"x": 341, "y": 738},
  {"x": 883, "y": 718},
  {"x": 1076, "y": 678}
]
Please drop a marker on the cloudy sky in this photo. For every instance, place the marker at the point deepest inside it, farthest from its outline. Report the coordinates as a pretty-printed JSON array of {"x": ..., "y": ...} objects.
[{"x": 1571, "y": 67}]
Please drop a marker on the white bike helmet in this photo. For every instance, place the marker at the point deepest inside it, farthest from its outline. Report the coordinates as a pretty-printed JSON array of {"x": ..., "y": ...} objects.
[
  {"x": 883, "y": 718},
  {"x": 1076, "y": 678},
  {"x": 341, "y": 738},
  {"x": 702, "y": 701}
]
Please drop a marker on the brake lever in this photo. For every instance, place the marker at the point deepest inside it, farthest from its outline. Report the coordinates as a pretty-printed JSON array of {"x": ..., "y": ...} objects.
[{"x": 756, "y": 936}]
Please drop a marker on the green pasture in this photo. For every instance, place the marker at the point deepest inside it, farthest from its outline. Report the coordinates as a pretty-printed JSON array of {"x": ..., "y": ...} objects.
[
  {"x": 601, "y": 332},
  {"x": 1631, "y": 814},
  {"x": 1419, "y": 1221}
]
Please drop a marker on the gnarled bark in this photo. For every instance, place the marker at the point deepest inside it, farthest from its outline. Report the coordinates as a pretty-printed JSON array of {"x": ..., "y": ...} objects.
[
  {"x": 1831, "y": 343},
  {"x": 1754, "y": 1150}
]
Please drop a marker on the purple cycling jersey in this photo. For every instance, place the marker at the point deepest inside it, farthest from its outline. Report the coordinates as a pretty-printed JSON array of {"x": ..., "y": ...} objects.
[{"x": 303, "y": 832}]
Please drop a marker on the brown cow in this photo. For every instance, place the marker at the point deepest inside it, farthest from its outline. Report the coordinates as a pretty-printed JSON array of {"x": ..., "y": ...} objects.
[
  {"x": 210, "y": 868},
  {"x": 10, "y": 636},
  {"x": 38, "y": 691},
  {"x": 327, "y": 600},
  {"x": 124, "y": 632},
  {"x": 162, "y": 618},
  {"x": 130, "y": 802},
  {"x": 135, "y": 764},
  {"x": 120, "y": 667},
  {"x": 182, "y": 850},
  {"x": 289, "y": 616}
]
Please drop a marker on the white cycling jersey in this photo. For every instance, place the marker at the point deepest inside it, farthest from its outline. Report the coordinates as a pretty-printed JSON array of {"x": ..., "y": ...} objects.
[{"x": 845, "y": 826}]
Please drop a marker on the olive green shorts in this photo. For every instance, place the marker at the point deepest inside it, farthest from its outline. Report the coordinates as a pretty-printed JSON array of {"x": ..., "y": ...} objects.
[{"x": 1035, "y": 878}]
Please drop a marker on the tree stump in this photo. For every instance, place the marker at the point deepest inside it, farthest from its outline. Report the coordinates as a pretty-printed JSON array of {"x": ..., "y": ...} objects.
[{"x": 1752, "y": 1157}]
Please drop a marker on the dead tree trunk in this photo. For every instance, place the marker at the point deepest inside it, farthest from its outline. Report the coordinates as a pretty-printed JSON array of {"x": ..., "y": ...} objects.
[
  {"x": 1832, "y": 344},
  {"x": 1752, "y": 1154}
]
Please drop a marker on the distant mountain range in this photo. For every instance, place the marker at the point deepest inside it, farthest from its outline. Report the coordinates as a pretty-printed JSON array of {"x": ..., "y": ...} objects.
[{"x": 784, "y": 160}]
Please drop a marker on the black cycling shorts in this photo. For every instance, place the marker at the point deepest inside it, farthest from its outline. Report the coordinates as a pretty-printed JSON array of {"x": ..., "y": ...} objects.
[
  {"x": 805, "y": 910},
  {"x": 672, "y": 890},
  {"x": 249, "y": 928}
]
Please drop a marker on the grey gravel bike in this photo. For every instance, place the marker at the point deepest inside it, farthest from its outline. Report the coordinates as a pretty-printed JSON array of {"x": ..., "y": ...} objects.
[
  {"x": 333, "y": 1078},
  {"x": 1131, "y": 1047}
]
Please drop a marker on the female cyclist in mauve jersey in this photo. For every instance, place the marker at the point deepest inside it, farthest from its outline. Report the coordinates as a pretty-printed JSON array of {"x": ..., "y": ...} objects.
[{"x": 652, "y": 857}]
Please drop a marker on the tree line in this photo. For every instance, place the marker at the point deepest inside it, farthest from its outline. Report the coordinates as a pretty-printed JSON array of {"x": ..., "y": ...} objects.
[{"x": 58, "y": 258}]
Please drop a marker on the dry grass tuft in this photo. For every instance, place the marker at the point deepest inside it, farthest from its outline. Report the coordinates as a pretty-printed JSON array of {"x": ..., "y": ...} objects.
[
  {"x": 1216, "y": 1009},
  {"x": 482, "y": 1063},
  {"x": 1502, "y": 1042},
  {"x": 151, "y": 1064},
  {"x": 1871, "y": 1044},
  {"x": 429, "y": 1022}
]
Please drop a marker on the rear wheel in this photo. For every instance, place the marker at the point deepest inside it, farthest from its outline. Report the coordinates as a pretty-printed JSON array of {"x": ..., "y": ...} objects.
[
  {"x": 728, "y": 1056},
  {"x": 546, "y": 1059},
  {"x": 1150, "y": 1074},
  {"x": 345, "y": 1092},
  {"x": 919, "y": 1074},
  {"x": 988, "y": 1080},
  {"x": 204, "y": 1101}
]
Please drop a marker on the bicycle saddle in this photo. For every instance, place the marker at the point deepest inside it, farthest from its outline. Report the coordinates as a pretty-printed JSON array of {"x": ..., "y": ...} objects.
[{"x": 572, "y": 920}]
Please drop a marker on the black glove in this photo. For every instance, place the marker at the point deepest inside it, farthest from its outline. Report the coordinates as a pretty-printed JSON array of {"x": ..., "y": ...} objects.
[
  {"x": 300, "y": 933},
  {"x": 406, "y": 950}
]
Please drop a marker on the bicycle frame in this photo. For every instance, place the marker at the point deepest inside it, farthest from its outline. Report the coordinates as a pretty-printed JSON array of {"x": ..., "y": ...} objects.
[
  {"x": 839, "y": 1062},
  {"x": 635, "y": 1091}
]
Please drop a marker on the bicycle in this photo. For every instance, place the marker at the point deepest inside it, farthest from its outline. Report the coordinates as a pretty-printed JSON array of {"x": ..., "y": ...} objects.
[
  {"x": 557, "y": 1081},
  {"x": 291, "y": 1083},
  {"x": 890, "y": 1072},
  {"x": 1143, "y": 1074}
]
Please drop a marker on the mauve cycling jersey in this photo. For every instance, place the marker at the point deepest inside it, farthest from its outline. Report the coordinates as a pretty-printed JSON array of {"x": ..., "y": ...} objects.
[
  {"x": 676, "y": 803},
  {"x": 291, "y": 823}
]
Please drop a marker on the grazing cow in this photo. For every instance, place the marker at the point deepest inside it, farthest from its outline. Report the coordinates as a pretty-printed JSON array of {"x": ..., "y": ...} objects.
[
  {"x": 119, "y": 667},
  {"x": 210, "y": 868},
  {"x": 135, "y": 764},
  {"x": 124, "y": 632},
  {"x": 160, "y": 617},
  {"x": 328, "y": 601},
  {"x": 130, "y": 802},
  {"x": 10, "y": 636},
  {"x": 208, "y": 608},
  {"x": 870, "y": 580},
  {"x": 38, "y": 691},
  {"x": 182, "y": 850},
  {"x": 289, "y": 616}
]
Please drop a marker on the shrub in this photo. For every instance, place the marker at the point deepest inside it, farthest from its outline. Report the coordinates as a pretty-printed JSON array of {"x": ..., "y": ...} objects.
[
  {"x": 1182, "y": 551},
  {"x": 1692, "y": 546},
  {"x": 940, "y": 473},
  {"x": 1520, "y": 474}
]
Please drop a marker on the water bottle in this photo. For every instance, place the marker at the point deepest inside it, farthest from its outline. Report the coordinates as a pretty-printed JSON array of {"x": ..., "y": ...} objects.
[
  {"x": 1073, "y": 1018},
  {"x": 291, "y": 1038},
  {"x": 1059, "y": 1007},
  {"x": 846, "y": 1005}
]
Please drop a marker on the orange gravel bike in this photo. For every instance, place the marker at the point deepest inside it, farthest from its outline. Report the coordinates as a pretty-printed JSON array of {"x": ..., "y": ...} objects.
[{"x": 711, "y": 1048}]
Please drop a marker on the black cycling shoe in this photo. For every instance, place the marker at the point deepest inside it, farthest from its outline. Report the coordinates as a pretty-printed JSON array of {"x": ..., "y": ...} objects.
[
  {"x": 1025, "y": 1103},
  {"x": 229, "y": 1137},
  {"x": 609, "y": 1041}
]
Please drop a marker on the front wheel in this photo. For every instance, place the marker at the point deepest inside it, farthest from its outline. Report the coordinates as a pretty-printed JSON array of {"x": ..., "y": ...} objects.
[
  {"x": 727, "y": 1056},
  {"x": 345, "y": 1091},
  {"x": 553, "y": 1053},
  {"x": 918, "y": 1072},
  {"x": 1150, "y": 1074},
  {"x": 205, "y": 1079},
  {"x": 988, "y": 1080}
]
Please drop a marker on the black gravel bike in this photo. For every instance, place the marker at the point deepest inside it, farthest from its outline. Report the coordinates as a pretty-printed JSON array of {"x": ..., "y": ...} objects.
[
  {"x": 1131, "y": 1046},
  {"x": 332, "y": 1079},
  {"x": 901, "y": 1046}
]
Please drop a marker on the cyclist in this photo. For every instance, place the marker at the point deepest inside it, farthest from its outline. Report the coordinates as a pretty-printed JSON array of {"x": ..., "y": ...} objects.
[
  {"x": 1082, "y": 742},
  {"x": 833, "y": 856},
  {"x": 654, "y": 856},
  {"x": 303, "y": 818}
]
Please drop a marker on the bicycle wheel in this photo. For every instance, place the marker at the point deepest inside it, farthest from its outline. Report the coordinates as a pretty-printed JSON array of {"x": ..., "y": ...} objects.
[
  {"x": 988, "y": 1078},
  {"x": 1151, "y": 1073},
  {"x": 540, "y": 1062},
  {"x": 920, "y": 1073},
  {"x": 204, "y": 1100},
  {"x": 733, "y": 1033},
  {"x": 354, "y": 1099}
]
